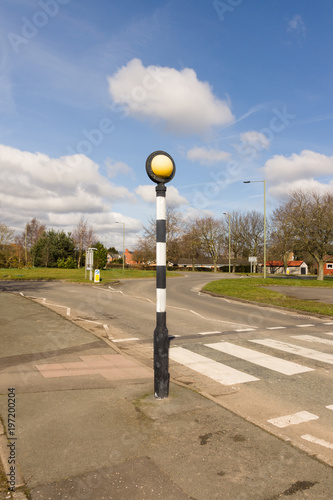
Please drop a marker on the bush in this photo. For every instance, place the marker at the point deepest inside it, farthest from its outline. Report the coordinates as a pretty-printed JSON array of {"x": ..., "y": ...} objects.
[{"x": 68, "y": 263}]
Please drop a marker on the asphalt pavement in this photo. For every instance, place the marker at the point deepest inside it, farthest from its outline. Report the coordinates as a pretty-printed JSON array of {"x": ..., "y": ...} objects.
[{"x": 81, "y": 422}]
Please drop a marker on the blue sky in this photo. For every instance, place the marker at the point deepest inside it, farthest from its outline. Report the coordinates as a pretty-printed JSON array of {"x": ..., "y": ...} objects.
[{"x": 233, "y": 90}]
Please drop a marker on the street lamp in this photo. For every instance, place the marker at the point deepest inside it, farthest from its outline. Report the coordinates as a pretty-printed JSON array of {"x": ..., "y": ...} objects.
[
  {"x": 227, "y": 213},
  {"x": 161, "y": 169},
  {"x": 123, "y": 223},
  {"x": 264, "y": 181}
]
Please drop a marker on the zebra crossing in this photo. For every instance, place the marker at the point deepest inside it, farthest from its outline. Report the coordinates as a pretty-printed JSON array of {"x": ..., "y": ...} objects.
[
  {"x": 226, "y": 375},
  {"x": 291, "y": 410}
]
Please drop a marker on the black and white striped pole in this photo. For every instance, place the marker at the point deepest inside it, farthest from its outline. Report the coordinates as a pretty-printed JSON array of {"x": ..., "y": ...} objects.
[{"x": 161, "y": 169}]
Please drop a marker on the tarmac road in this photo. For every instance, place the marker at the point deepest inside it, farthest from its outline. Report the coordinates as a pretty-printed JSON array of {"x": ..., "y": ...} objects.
[
  {"x": 88, "y": 425},
  {"x": 213, "y": 335}
]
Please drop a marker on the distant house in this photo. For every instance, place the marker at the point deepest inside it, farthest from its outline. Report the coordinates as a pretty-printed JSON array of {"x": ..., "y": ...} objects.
[
  {"x": 293, "y": 267},
  {"x": 328, "y": 266},
  {"x": 129, "y": 258}
]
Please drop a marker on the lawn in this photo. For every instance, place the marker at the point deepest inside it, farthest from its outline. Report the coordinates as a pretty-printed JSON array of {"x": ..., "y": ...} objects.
[
  {"x": 253, "y": 289},
  {"x": 73, "y": 275}
]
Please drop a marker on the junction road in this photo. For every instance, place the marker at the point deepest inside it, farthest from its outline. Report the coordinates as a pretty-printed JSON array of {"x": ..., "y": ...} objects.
[{"x": 270, "y": 366}]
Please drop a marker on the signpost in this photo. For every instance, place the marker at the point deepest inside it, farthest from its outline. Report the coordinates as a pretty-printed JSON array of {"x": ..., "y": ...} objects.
[
  {"x": 89, "y": 262},
  {"x": 161, "y": 169}
]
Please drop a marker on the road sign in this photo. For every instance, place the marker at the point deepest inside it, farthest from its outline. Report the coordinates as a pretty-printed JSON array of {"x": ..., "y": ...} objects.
[{"x": 97, "y": 277}]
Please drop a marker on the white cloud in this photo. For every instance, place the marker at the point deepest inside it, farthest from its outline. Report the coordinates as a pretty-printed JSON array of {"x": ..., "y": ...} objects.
[
  {"x": 33, "y": 183},
  {"x": 176, "y": 98},
  {"x": 148, "y": 194},
  {"x": 307, "y": 170},
  {"x": 114, "y": 168},
  {"x": 255, "y": 139},
  {"x": 296, "y": 24},
  {"x": 207, "y": 156}
]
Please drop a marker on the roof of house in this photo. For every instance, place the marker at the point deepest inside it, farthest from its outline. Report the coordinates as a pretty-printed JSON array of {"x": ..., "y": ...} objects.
[{"x": 279, "y": 263}]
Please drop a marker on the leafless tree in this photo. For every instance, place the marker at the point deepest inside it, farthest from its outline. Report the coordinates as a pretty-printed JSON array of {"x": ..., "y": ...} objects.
[
  {"x": 309, "y": 219},
  {"x": 83, "y": 236},
  {"x": 212, "y": 237}
]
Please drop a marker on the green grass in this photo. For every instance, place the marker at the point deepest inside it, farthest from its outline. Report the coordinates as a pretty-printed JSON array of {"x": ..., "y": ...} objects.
[
  {"x": 253, "y": 289},
  {"x": 73, "y": 275}
]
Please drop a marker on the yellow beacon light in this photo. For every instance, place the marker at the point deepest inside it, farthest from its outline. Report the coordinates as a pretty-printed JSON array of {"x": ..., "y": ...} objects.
[{"x": 160, "y": 167}]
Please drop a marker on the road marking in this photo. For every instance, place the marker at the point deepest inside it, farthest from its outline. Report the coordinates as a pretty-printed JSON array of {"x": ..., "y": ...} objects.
[
  {"x": 331, "y": 323},
  {"x": 245, "y": 330},
  {"x": 328, "y": 333},
  {"x": 330, "y": 407},
  {"x": 294, "y": 349},
  {"x": 311, "y": 338},
  {"x": 295, "y": 419},
  {"x": 207, "y": 333},
  {"x": 315, "y": 440},
  {"x": 257, "y": 358},
  {"x": 125, "y": 340},
  {"x": 304, "y": 326},
  {"x": 275, "y": 327},
  {"x": 89, "y": 321},
  {"x": 212, "y": 369}
]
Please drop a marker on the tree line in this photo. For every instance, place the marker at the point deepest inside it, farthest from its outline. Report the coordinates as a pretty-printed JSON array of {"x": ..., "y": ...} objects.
[
  {"x": 302, "y": 225},
  {"x": 38, "y": 246}
]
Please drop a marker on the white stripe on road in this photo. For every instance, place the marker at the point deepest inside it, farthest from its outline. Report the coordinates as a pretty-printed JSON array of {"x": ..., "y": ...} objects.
[
  {"x": 311, "y": 338},
  {"x": 330, "y": 407},
  {"x": 245, "y": 330},
  {"x": 315, "y": 440},
  {"x": 294, "y": 349},
  {"x": 276, "y": 327},
  {"x": 212, "y": 369},
  {"x": 261, "y": 359},
  {"x": 303, "y": 326},
  {"x": 207, "y": 333},
  {"x": 295, "y": 419},
  {"x": 124, "y": 340},
  {"x": 331, "y": 323},
  {"x": 328, "y": 333}
]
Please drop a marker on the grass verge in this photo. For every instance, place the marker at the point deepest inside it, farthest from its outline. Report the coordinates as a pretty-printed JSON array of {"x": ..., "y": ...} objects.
[
  {"x": 253, "y": 289},
  {"x": 73, "y": 275}
]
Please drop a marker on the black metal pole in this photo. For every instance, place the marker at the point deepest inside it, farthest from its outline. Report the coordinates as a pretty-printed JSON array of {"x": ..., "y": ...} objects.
[{"x": 161, "y": 338}]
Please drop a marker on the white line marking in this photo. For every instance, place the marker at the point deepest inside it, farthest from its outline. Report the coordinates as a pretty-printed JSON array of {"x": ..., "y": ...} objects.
[
  {"x": 330, "y": 407},
  {"x": 328, "y": 333},
  {"x": 106, "y": 327},
  {"x": 311, "y": 338},
  {"x": 294, "y": 349},
  {"x": 68, "y": 312},
  {"x": 331, "y": 323},
  {"x": 212, "y": 369},
  {"x": 89, "y": 321},
  {"x": 21, "y": 294},
  {"x": 207, "y": 333},
  {"x": 303, "y": 326},
  {"x": 275, "y": 327},
  {"x": 315, "y": 440},
  {"x": 245, "y": 330},
  {"x": 125, "y": 340},
  {"x": 257, "y": 358},
  {"x": 295, "y": 419}
]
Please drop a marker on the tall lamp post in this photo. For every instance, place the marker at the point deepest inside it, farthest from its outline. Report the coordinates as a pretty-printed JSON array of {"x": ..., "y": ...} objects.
[
  {"x": 123, "y": 223},
  {"x": 264, "y": 181},
  {"x": 228, "y": 214},
  {"x": 161, "y": 169}
]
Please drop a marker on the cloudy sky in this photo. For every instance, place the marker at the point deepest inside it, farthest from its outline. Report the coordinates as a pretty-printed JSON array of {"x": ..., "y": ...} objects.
[{"x": 233, "y": 90}]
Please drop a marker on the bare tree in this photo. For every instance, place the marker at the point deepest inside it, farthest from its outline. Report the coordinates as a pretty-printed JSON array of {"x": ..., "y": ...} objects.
[
  {"x": 212, "y": 237},
  {"x": 83, "y": 237},
  {"x": 309, "y": 217},
  {"x": 146, "y": 246}
]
